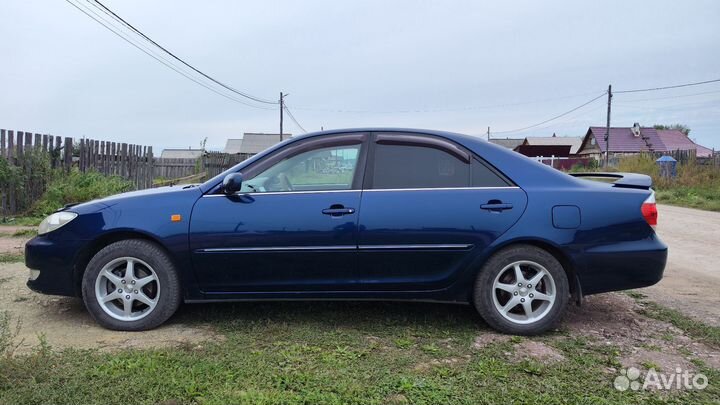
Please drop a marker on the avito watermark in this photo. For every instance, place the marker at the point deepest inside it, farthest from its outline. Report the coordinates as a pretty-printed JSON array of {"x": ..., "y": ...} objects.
[{"x": 633, "y": 379}]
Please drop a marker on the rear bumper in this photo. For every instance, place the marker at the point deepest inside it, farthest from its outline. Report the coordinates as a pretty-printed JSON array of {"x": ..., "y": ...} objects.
[
  {"x": 55, "y": 259},
  {"x": 623, "y": 266}
]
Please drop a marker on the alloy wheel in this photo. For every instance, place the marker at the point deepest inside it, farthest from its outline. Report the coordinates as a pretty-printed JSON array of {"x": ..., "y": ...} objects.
[
  {"x": 127, "y": 289},
  {"x": 524, "y": 292}
]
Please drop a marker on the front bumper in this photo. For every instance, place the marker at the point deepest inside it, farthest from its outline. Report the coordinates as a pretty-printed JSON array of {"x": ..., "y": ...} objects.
[{"x": 55, "y": 259}]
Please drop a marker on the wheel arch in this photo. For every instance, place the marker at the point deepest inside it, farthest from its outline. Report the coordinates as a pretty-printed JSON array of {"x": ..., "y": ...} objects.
[
  {"x": 97, "y": 244},
  {"x": 566, "y": 262}
]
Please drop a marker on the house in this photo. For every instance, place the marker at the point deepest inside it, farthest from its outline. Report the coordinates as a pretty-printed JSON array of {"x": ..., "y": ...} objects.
[
  {"x": 635, "y": 139},
  {"x": 510, "y": 143},
  {"x": 253, "y": 143},
  {"x": 181, "y": 153},
  {"x": 573, "y": 141}
]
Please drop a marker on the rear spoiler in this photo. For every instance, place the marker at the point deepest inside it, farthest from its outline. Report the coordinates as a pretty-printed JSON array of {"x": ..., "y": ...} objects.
[{"x": 627, "y": 180}]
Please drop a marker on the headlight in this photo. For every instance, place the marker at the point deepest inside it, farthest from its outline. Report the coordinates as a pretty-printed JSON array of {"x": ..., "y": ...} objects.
[{"x": 55, "y": 221}]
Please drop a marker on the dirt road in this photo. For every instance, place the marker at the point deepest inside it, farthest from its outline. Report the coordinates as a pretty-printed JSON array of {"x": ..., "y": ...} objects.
[{"x": 692, "y": 277}]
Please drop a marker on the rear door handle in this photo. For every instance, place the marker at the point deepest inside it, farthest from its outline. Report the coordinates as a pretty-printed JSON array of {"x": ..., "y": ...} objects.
[
  {"x": 337, "y": 210},
  {"x": 496, "y": 206}
]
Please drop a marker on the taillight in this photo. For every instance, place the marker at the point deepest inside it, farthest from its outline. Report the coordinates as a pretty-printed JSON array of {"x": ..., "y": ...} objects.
[{"x": 649, "y": 210}]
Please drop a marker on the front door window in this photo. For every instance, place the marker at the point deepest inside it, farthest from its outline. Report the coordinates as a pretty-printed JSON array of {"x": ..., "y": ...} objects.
[{"x": 330, "y": 168}]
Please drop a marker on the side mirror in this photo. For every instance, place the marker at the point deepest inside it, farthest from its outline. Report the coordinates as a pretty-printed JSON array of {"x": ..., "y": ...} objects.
[{"x": 232, "y": 183}]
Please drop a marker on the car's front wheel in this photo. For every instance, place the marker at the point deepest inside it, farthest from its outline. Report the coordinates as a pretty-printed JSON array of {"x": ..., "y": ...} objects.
[
  {"x": 521, "y": 290},
  {"x": 131, "y": 285}
]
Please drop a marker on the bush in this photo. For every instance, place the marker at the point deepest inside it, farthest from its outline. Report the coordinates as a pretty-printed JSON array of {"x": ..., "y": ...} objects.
[{"x": 78, "y": 187}]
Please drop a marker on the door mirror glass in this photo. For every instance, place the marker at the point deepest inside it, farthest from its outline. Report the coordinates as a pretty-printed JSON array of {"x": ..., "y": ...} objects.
[{"x": 232, "y": 183}]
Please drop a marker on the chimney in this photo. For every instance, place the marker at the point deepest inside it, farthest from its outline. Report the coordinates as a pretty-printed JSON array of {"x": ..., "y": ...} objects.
[{"x": 636, "y": 129}]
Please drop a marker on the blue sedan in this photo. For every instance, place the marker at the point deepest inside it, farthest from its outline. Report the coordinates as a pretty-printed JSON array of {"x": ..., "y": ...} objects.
[{"x": 379, "y": 214}]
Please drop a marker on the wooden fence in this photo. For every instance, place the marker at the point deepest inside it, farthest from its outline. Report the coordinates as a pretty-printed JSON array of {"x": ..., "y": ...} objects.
[
  {"x": 22, "y": 179},
  {"x": 174, "y": 168},
  {"x": 25, "y": 158},
  {"x": 215, "y": 163},
  {"x": 131, "y": 162}
]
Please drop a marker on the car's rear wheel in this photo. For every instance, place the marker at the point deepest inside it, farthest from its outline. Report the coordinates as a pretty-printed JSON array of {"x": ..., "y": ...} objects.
[
  {"x": 131, "y": 285},
  {"x": 521, "y": 290}
]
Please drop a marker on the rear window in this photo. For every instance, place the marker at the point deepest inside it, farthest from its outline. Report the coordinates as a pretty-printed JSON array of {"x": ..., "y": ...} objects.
[{"x": 411, "y": 166}]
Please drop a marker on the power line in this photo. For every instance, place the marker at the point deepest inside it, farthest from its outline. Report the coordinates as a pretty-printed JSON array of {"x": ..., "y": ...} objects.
[
  {"x": 127, "y": 24},
  {"x": 672, "y": 97},
  {"x": 668, "y": 87},
  {"x": 553, "y": 118},
  {"x": 118, "y": 32},
  {"x": 97, "y": 18},
  {"x": 292, "y": 117}
]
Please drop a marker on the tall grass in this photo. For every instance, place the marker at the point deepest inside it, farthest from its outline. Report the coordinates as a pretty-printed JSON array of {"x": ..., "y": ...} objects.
[
  {"x": 77, "y": 187},
  {"x": 695, "y": 185}
]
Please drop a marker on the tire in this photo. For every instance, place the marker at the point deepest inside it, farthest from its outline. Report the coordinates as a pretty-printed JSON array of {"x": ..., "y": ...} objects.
[
  {"x": 154, "y": 294},
  {"x": 497, "y": 293}
]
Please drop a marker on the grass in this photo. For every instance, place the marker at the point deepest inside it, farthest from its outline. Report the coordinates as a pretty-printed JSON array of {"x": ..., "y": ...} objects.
[
  {"x": 329, "y": 353},
  {"x": 695, "y": 186},
  {"x": 77, "y": 187},
  {"x": 707, "y": 333},
  {"x": 21, "y": 233},
  {"x": 22, "y": 221},
  {"x": 11, "y": 258}
]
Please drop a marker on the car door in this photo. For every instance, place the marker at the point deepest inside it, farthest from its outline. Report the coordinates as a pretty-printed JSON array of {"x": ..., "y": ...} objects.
[
  {"x": 428, "y": 207},
  {"x": 293, "y": 225}
]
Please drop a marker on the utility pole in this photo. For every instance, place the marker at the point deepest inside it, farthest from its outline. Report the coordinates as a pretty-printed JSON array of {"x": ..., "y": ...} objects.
[
  {"x": 282, "y": 107},
  {"x": 607, "y": 128},
  {"x": 488, "y": 134}
]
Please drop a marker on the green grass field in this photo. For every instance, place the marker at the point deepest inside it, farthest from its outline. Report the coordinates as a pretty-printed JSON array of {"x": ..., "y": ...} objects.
[{"x": 331, "y": 353}]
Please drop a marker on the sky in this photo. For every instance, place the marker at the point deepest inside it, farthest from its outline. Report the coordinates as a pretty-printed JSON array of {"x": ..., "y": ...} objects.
[{"x": 450, "y": 65}]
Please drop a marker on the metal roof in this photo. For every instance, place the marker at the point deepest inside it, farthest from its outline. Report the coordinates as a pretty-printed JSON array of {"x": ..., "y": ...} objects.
[
  {"x": 573, "y": 141},
  {"x": 181, "y": 153},
  {"x": 232, "y": 146},
  {"x": 623, "y": 140},
  {"x": 650, "y": 140},
  {"x": 676, "y": 140},
  {"x": 510, "y": 143},
  {"x": 253, "y": 142}
]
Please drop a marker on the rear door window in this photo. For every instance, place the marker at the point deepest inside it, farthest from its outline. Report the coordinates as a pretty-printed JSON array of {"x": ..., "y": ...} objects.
[{"x": 417, "y": 166}]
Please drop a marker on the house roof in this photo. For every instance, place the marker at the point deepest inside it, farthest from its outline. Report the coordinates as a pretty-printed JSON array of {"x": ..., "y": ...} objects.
[
  {"x": 253, "y": 142},
  {"x": 573, "y": 141},
  {"x": 232, "y": 146},
  {"x": 510, "y": 143},
  {"x": 181, "y": 153},
  {"x": 676, "y": 140},
  {"x": 623, "y": 140}
]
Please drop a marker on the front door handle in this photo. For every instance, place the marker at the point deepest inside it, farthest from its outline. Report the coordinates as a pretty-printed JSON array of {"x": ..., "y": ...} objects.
[
  {"x": 337, "y": 210},
  {"x": 496, "y": 206}
]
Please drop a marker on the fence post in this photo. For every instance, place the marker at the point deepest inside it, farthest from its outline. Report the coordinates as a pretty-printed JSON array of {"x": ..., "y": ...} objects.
[
  {"x": 58, "y": 146},
  {"x": 151, "y": 167},
  {"x": 68, "y": 154}
]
